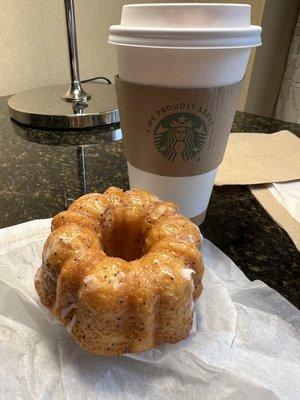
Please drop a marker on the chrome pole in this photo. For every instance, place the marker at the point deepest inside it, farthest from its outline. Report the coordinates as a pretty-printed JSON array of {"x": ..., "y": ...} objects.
[{"x": 76, "y": 93}]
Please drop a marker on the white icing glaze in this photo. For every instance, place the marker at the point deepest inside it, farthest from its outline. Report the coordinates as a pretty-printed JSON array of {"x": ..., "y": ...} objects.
[
  {"x": 168, "y": 273},
  {"x": 65, "y": 238},
  {"x": 70, "y": 326},
  {"x": 92, "y": 282},
  {"x": 118, "y": 280},
  {"x": 192, "y": 304},
  {"x": 187, "y": 274},
  {"x": 55, "y": 246},
  {"x": 191, "y": 237}
]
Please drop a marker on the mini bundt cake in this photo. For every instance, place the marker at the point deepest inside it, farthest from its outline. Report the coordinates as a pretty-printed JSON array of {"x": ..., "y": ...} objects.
[{"x": 122, "y": 270}]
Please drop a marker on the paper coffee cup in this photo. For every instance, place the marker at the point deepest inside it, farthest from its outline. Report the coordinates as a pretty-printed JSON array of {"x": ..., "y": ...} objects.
[{"x": 197, "y": 50}]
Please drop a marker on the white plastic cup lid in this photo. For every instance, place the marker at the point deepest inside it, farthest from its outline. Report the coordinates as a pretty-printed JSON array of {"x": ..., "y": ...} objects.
[{"x": 186, "y": 25}]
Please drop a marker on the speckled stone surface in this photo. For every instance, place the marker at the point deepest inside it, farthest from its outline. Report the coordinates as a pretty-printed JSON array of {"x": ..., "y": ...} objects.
[{"x": 43, "y": 171}]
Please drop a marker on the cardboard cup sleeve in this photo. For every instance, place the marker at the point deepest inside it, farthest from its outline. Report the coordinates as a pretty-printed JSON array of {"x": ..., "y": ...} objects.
[{"x": 175, "y": 131}]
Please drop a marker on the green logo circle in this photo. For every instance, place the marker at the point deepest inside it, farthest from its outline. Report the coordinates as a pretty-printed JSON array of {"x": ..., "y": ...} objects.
[{"x": 185, "y": 128}]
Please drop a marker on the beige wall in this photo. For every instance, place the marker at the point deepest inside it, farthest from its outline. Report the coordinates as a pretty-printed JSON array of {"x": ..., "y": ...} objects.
[
  {"x": 33, "y": 44},
  {"x": 288, "y": 105},
  {"x": 278, "y": 23}
]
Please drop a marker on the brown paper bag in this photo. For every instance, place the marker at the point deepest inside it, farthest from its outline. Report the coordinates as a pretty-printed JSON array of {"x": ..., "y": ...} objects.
[{"x": 252, "y": 158}]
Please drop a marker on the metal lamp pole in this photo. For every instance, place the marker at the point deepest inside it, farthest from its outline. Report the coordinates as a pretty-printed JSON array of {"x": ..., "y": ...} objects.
[
  {"x": 67, "y": 106},
  {"x": 76, "y": 92}
]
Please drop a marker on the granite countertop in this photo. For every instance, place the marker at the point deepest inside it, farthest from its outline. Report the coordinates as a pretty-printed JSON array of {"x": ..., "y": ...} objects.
[{"x": 43, "y": 171}]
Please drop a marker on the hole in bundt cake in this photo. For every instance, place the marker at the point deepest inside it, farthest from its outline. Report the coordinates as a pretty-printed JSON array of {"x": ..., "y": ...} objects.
[{"x": 123, "y": 240}]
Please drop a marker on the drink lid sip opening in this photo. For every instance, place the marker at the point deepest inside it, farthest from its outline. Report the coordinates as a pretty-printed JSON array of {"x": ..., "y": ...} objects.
[{"x": 186, "y": 25}]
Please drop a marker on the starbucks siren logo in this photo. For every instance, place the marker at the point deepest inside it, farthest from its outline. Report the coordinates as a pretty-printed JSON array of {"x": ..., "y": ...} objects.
[{"x": 188, "y": 129}]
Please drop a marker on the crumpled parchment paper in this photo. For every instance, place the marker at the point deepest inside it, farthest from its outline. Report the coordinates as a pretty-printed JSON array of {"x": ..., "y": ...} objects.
[{"x": 244, "y": 345}]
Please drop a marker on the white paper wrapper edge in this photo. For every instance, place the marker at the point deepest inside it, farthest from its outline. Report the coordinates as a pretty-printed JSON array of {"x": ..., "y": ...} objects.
[{"x": 288, "y": 195}]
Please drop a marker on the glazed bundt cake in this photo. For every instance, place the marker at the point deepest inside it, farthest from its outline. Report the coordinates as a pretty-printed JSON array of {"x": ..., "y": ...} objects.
[{"x": 122, "y": 270}]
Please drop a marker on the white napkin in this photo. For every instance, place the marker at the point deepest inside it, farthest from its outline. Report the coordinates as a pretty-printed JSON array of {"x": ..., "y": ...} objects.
[{"x": 245, "y": 345}]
